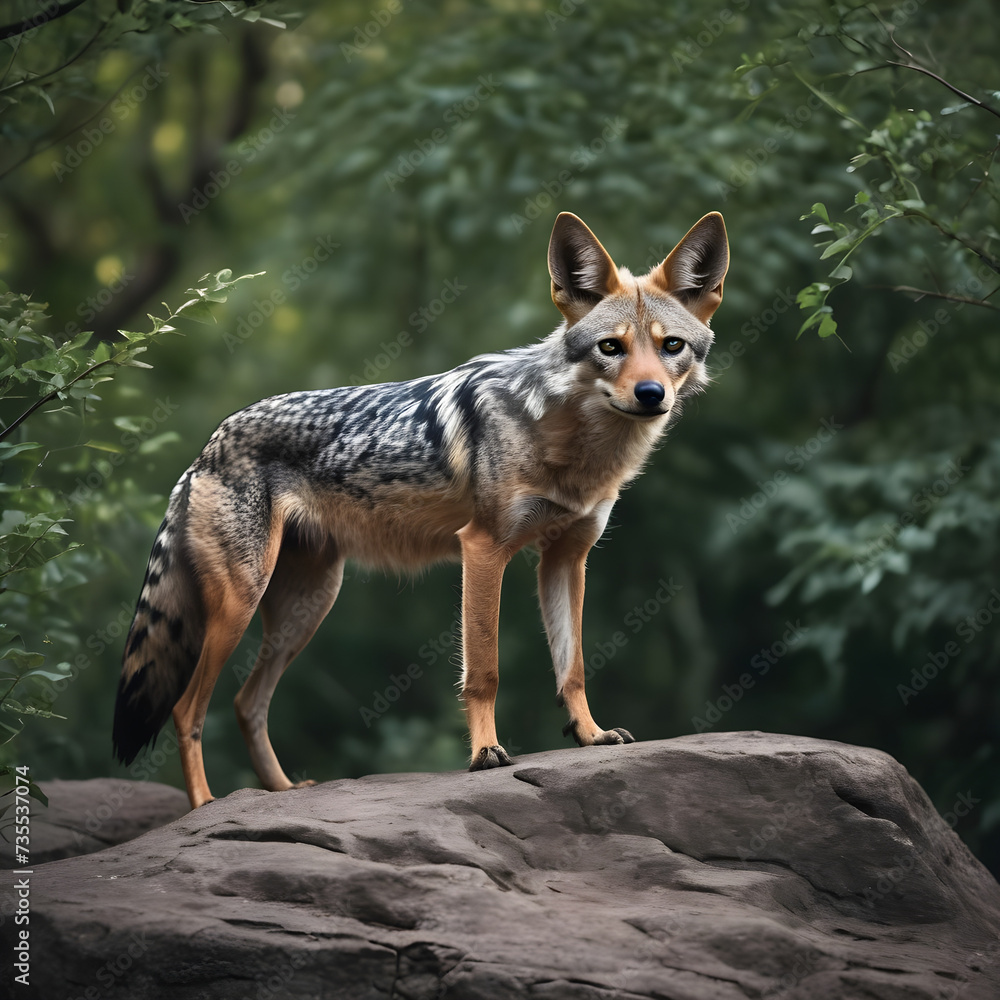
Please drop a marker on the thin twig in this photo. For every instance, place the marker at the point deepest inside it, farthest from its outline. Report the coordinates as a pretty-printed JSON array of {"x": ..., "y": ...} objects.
[
  {"x": 24, "y": 81},
  {"x": 921, "y": 292},
  {"x": 35, "y": 150},
  {"x": 940, "y": 79},
  {"x": 20, "y": 559},
  {"x": 992, "y": 264}
]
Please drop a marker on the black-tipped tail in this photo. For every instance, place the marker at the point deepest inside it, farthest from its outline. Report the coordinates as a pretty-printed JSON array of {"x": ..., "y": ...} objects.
[
  {"x": 164, "y": 642},
  {"x": 145, "y": 701}
]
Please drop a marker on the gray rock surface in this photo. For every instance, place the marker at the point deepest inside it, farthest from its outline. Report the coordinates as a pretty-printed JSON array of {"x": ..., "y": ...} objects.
[
  {"x": 87, "y": 816},
  {"x": 712, "y": 867}
]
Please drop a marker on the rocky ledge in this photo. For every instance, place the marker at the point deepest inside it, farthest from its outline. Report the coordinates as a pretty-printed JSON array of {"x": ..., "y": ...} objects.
[{"x": 712, "y": 867}]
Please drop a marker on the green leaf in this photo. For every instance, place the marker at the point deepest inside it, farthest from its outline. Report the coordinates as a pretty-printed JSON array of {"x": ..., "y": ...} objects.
[
  {"x": 813, "y": 295},
  {"x": 105, "y": 446},
  {"x": 820, "y": 209},
  {"x": 844, "y": 243},
  {"x": 8, "y": 450},
  {"x": 22, "y": 659},
  {"x": 154, "y": 444},
  {"x": 827, "y": 326},
  {"x": 198, "y": 310},
  {"x": 815, "y": 318},
  {"x": 51, "y": 675}
]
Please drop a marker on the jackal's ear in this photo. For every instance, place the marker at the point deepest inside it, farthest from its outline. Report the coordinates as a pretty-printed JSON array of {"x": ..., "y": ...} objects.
[
  {"x": 694, "y": 270},
  {"x": 582, "y": 272}
]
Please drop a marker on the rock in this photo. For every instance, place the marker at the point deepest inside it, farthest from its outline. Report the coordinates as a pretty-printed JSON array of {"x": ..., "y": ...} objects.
[
  {"x": 87, "y": 816},
  {"x": 711, "y": 867}
]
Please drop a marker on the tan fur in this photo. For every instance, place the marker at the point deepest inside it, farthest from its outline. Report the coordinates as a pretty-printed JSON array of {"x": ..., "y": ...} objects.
[{"x": 483, "y": 563}]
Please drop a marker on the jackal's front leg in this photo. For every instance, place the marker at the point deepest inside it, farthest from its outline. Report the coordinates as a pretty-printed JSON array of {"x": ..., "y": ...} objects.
[
  {"x": 483, "y": 563},
  {"x": 560, "y": 592}
]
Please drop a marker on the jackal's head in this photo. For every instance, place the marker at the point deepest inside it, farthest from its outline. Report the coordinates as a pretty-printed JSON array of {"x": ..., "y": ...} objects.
[{"x": 641, "y": 341}]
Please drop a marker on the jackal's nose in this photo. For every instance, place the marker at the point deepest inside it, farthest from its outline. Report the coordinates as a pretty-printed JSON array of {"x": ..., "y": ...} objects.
[{"x": 649, "y": 393}]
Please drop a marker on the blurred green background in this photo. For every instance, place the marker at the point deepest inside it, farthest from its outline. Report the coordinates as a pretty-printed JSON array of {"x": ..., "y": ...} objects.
[{"x": 826, "y": 515}]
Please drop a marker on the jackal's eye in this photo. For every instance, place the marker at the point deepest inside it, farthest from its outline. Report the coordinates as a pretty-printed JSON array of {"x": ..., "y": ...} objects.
[
  {"x": 673, "y": 345},
  {"x": 611, "y": 347}
]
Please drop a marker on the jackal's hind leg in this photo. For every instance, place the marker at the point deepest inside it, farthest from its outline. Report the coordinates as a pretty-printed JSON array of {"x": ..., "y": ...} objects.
[
  {"x": 560, "y": 592},
  {"x": 302, "y": 589},
  {"x": 226, "y": 622}
]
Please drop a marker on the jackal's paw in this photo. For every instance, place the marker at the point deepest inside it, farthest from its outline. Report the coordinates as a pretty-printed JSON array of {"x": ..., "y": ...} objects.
[
  {"x": 613, "y": 736},
  {"x": 599, "y": 738},
  {"x": 307, "y": 783},
  {"x": 490, "y": 757}
]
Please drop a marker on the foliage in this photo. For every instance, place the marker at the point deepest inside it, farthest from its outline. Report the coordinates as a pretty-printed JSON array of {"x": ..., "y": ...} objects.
[
  {"x": 381, "y": 155},
  {"x": 927, "y": 165},
  {"x": 51, "y": 385},
  {"x": 885, "y": 535}
]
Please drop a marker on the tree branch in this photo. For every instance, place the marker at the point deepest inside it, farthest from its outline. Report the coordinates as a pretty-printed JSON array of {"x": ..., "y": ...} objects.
[
  {"x": 49, "y": 396},
  {"x": 43, "y": 17},
  {"x": 24, "y": 81},
  {"x": 921, "y": 292},
  {"x": 917, "y": 68}
]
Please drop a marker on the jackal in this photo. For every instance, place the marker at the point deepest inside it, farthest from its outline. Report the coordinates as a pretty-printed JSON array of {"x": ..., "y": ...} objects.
[{"x": 529, "y": 446}]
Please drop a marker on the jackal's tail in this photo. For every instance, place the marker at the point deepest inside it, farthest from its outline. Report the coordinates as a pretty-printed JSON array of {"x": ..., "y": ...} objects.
[{"x": 165, "y": 640}]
